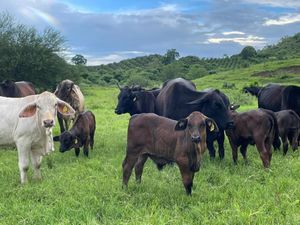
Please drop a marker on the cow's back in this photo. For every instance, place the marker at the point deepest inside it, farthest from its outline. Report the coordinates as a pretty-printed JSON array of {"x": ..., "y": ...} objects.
[
  {"x": 153, "y": 133},
  {"x": 173, "y": 96},
  {"x": 25, "y": 88},
  {"x": 270, "y": 97}
]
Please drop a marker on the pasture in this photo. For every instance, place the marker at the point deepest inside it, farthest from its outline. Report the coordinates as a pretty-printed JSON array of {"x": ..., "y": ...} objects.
[{"x": 88, "y": 190}]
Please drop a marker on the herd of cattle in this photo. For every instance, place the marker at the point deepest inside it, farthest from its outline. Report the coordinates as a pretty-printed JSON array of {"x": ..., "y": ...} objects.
[
  {"x": 167, "y": 128},
  {"x": 174, "y": 123}
]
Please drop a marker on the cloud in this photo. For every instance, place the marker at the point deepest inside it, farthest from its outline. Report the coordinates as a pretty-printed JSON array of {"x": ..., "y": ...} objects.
[
  {"x": 222, "y": 27},
  {"x": 94, "y": 61},
  {"x": 249, "y": 40},
  {"x": 277, "y": 3},
  {"x": 283, "y": 20},
  {"x": 36, "y": 14},
  {"x": 233, "y": 32}
]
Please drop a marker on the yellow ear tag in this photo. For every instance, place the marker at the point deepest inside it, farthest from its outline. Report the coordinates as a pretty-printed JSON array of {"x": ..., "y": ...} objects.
[
  {"x": 75, "y": 141},
  {"x": 65, "y": 109},
  {"x": 212, "y": 127}
]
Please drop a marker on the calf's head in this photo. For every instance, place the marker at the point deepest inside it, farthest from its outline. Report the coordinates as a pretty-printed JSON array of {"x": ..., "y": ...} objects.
[
  {"x": 196, "y": 126},
  {"x": 45, "y": 108},
  {"x": 67, "y": 141},
  {"x": 126, "y": 100}
]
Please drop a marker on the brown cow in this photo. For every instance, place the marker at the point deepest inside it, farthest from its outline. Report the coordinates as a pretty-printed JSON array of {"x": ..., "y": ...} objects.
[
  {"x": 9, "y": 88},
  {"x": 70, "y": 93},
  {"x": 165, "y": 141},
  {"x": 81, "y": 134},
  {"x": 257, "y": 127},
  {"x": 289, "y": 128}
]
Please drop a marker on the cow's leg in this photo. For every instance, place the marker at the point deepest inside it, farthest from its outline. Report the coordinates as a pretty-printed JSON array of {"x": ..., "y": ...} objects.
[
  {"x": 77, "y": 150},
  {"x": 67, "y": 124},
  {"x": 268, "y": 145},
  {"x": 234, "y": 148},
  {"x": 285, "y": 144},
  {"x": 243, "y": 150},
  {"x": 128, "y": 164},
  {"x": 264, "y": 155},
  {"x": 61, "y": 122},
  {"x": 293, "y": 139},
  {"x": 220, "y": 140},
  {"x": 23, "y": 154},
  {"x": 86, "y": 147},
  {"x": 186, "y": 174},
  {"x": 36, "y": 160},
  {"x": 211, "y": 149},
  {"x": 92, "y": 139},
  {"x": 139, "y": 166}
]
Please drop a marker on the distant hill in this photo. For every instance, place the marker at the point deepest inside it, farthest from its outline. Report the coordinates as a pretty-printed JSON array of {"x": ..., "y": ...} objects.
[{"x": 153, "y": 69}]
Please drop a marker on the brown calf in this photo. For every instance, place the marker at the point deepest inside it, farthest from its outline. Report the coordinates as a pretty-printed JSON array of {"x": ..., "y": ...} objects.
[
  {"x": 289, "y": 128},
  {"x": 257, "y": 127},
  {"x": 164, "y": 141},
  {"x": 81, "y": 134}
]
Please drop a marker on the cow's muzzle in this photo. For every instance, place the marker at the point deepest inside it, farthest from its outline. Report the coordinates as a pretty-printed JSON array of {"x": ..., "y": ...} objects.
[
  {"x": 48, "y": 123},
  {"x": 196, "y": 139}
]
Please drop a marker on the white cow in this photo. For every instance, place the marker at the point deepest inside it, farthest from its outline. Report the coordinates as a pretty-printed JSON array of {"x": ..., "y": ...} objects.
[{"x": 27, "y": 123}]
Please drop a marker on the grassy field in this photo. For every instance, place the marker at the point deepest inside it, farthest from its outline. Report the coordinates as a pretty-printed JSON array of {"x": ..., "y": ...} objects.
[{"x": 88, "y": 190}]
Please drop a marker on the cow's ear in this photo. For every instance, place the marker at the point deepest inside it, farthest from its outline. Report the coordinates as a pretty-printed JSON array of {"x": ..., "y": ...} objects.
[
  {"x": 211, "y": 125},
  {"x": 28, "y": 111},
  {"x": 181, "y": 124},
  {"x": 64, "y": 108},
  {"x": 56, "y": 138}
]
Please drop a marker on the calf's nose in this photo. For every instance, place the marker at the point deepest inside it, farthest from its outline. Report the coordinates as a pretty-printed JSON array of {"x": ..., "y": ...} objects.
[
  {"x": 196, "y": 139},
  {"x": 48, "y": 123}
]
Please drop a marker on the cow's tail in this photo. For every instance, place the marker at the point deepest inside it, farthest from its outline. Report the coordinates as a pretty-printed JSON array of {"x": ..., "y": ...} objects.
[{"x": 273, "y": 120}]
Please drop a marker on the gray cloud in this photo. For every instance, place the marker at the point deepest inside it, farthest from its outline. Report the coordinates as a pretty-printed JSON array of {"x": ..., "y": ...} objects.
[{"x": 112, "y": 36}]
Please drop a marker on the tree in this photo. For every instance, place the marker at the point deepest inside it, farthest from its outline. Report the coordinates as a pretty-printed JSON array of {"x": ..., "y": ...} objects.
[
  {"x": 29, "y": 55},
  {"x": 170, "y": 56},
  {"x": 248, "y": 52},
  {"x": 79, "y": 60}
]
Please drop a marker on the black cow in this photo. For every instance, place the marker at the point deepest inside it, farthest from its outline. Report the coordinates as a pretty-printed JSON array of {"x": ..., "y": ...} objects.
[
  {"x": 9, "y": 88},
  {"x": 277, "y": 97},
  {"x": 135, "y": 100},
  {"x": 178, "y": 98}
]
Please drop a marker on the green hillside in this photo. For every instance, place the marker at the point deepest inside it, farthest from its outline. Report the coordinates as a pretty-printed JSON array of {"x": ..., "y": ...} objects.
[{"x": 153, "y": 69}]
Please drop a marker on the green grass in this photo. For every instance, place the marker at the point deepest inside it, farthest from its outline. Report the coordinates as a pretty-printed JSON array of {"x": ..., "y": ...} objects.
[{"x": 88, "y": 191}]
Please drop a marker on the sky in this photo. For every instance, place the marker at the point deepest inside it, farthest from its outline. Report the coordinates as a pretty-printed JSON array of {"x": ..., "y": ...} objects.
[{"x": 106, "y": 31}]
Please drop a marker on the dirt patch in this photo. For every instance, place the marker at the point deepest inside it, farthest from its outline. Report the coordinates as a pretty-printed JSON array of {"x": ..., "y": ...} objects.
[{"x": 280, "y": 71}]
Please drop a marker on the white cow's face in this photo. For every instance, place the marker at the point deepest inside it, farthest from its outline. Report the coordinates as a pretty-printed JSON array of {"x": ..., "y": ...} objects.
[{"x": 46, "y": 107}]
